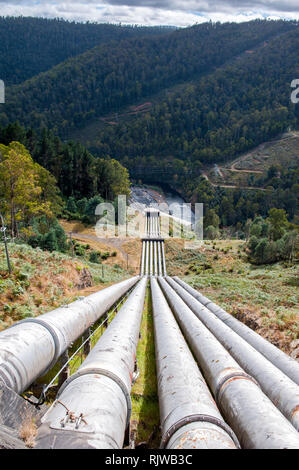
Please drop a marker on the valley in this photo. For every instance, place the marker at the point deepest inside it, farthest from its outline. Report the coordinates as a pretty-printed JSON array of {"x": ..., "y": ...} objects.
[{"x": 132, "y": 332}]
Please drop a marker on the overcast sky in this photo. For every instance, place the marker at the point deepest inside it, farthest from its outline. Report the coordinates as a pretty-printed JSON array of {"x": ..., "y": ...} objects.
[{"x": 153, "y": 12}]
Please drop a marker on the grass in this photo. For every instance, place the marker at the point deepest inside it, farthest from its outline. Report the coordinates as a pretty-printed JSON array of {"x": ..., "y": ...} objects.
[
  {"x": 145, "y": 405},
  {"x": 123, "y": 252},
  {"x": 42, "y": 281},
  {"x": 28, "y": 431},
  {"x": 263, "y": 297}
]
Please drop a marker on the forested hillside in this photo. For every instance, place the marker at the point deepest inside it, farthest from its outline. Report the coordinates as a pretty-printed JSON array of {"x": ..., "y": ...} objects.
[
  {"x": 114, "y": 75},
  {"x": 206, "y": 94},
  {"x": 217, "y": 117},
  {"x": 77, "y": 172},
  {"x": 29, "y": 46}
]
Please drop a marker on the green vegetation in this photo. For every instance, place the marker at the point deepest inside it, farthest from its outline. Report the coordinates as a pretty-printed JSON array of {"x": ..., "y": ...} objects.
[
  {"x": 273, "y": 239},
  {"x": 77, "y": 172},
  {"x": 48, "y": 235},
  {"x": 195, "y": 122},
  {"x": 42, "y": 281},
  {"x": 235, "y": 206},
  {"x": 213, "y": 118},
  {"x": 26, "y": 189},
  {"x": 118, "y": 73},
  {"x": 145, "y": 405},
  {"x": 30, "y": 200},
  {"x": 265, "y": 297},
  {"x": 29, "y": 46}
]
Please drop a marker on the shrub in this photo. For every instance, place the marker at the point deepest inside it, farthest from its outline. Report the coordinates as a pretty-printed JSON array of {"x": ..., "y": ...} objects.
[
  {"x": 80, "y": 249},
  {"x": 47, "y": 235},
  {"x": 93, "y": 257}
]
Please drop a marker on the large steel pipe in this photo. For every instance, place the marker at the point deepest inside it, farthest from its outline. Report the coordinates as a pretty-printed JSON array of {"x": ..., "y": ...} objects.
[
  {"x": 158, "y": 225},
  {"x": 159, "y": 258},
  {"x": 146, "y": 257},
  {"x": 188, "y": 414},
  {"x": 281, "y": 360},
  {"x": 163, "y": 259},
  {"x": 253, "y": 417},
  {"x": 142, "y": 259},
  {"x": 282, "y": 391},
  {"x": 151, "y": 259},
  {"x": 32, "y": 346},
  {"x": 98, "y": 394},
  {"x": 155, "y": 259}
]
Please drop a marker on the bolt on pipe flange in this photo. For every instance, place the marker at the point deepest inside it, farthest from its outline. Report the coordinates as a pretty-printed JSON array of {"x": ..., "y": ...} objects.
[{"x": 108, "y": 374}]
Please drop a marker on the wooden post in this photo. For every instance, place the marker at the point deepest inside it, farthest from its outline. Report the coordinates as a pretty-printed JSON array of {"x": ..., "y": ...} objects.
[
  {"x": 3, "y": 230},
  {"x": 72, "y": 245}
]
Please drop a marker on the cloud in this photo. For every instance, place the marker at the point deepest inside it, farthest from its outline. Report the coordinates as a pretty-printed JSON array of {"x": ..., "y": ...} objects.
[{"x": 153, "y": 12}]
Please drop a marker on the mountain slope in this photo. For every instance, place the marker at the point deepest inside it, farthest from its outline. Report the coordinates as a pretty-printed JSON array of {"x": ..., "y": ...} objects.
[
  {"x": 29, "y": 46},
  {"x": 111, "y": 76},
  {"x": 216, "y": 118}
]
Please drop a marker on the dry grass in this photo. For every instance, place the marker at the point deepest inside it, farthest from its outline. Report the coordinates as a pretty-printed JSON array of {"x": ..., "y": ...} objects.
[
  {"x": 28, "y": 431},
  {"x": 42, "y": 281},
  {"x": 122, "y": 246},
  {"x": 263, "y": 297}
]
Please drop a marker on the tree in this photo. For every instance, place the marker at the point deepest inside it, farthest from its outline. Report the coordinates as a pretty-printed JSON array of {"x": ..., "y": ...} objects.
[
  {"x": 289, "y": 245},
  {"x": 81, "y": 205},
  {"x": 112, "y": 179},
  {"x": 265, "y": 252},
  {"x": 71, "y": 205},
  {"x": 211, "y": 232},
  {"x": 50, "y": 241},
  {"x": 21, "y": 194},
  {"x": 48, "y": 235},
  {"x": 278, "y": 223},
  {"x": 211, "y": 218}
]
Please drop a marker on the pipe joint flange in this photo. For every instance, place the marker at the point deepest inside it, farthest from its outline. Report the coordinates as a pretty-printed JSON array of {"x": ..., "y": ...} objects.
[
  {"x": 236, "y": 375},
  {"x": 198, "y": 418},
  {"x": 52, "y": 333},
  {"x": 106, "y": 373}
]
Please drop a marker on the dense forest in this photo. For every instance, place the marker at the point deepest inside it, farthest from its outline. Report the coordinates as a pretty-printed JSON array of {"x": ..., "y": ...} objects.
[
  {"x": 32, "y": 197},
  {"x": 29, "y": 46},
  {"x": 77, "y": 172},
  {"x": 235, "y": 206},
  {"x": 216, "y": 118},
  {"x": 218, "y": 90},
  {"x": 113, "y": 75},
  {"x": 80, "y": 175}
]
